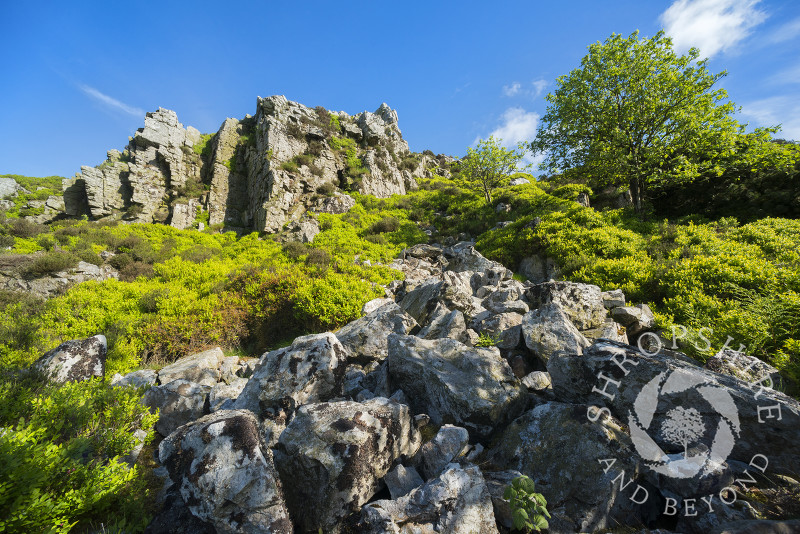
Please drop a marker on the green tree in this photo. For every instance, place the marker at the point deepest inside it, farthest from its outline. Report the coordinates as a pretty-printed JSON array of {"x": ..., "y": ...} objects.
[
  {"x": 487, "y": 167},
  {"x": 637, "y": 113}
]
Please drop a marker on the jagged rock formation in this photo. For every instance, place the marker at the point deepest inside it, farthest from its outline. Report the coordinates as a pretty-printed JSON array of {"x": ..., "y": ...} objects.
[{"x": 256, "y": 173}]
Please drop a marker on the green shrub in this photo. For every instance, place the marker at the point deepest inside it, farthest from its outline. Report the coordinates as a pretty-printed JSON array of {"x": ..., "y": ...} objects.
[
  {"x": 528, "y": 508},
  {"x": 318, "y": 258},
  {"x": 327, "y": 189},
  {"x": 289, "y": 166},
  {"x": 61, "y": 449},
  {"x": 7, "y": 241},
  {"x": 386, "y": 224},
  {"x": 24, "y": 228},
  {"x": 294, "y": 249},
  {"x": 50, "y": 262}
]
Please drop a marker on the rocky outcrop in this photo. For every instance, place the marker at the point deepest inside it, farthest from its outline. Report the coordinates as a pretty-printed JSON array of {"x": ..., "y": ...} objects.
[
  {"x": 75, "y": 360},
  {"x": 54, "y": 284},
  {"x": 366, "y": 338},
  {"x": 256, "y": 173}
]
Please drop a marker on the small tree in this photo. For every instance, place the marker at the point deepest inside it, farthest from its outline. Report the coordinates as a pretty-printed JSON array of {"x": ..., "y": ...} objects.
[
  {"x": 487, "y": 167},
  {"x": 636, "y": 113}
]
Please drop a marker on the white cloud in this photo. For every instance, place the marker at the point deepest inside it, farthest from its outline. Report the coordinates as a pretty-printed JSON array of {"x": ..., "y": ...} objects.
[
  {"x": 517, "y": 125},
  {"x": 110, "y": 102},
  {"x": 710, "y": 25},
  {"x": 783, "y": 110},
  {"x": 539, "y": 86},
  {"x": 786, "y": 76},
  {"x": 787, "y": 32},
  {"x": 517, "y": 89},
  {"x": 513, "y": 89}
]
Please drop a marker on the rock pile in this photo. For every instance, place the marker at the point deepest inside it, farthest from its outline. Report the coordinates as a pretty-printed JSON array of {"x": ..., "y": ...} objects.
[{"x": 503, "y": 378}]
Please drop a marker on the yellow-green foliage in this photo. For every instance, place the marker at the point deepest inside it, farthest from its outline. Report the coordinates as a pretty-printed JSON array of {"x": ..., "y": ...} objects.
[
  {"x": 38, "y": 189},
  {"x": 61, "y": 449}
]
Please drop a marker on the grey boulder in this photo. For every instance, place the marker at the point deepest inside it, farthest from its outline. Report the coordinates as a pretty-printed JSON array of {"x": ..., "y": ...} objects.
[
  {"x": 582, "y": 303},
  {"x": 548, "y": 330},
  {"x": 366, "y": 337},
  {"x": 225, "y": 474},
  {"x": 453, "y": 383},
  {"x": 332, "y": 456},
  {"x": 76, "y": 360},
  {"x": 456, "y": 502},
  {"x": 201, "y": 368},
  {"x": 178, "y": 402}
]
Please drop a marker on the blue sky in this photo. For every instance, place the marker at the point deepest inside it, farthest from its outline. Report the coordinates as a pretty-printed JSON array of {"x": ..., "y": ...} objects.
[{"x": 77, "y": 77}]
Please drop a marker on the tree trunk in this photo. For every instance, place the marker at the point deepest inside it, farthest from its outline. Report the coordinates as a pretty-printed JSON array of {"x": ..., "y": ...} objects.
[{"x": 636, "y": 194}]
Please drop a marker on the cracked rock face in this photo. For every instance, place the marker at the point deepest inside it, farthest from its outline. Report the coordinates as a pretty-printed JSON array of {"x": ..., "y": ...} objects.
[
  {"x": 225, "y": 473},
  {"x": 467, "y": 386},
  {"x": 332, "y": 456},
  {"x": 75, "y": 360}
]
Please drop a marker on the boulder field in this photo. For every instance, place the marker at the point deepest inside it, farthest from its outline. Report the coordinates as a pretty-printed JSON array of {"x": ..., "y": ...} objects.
[{"x": 416, "y": 416}]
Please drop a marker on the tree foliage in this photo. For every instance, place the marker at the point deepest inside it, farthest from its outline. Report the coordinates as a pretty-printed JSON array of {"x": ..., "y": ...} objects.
[
  {"x": 637, "y": 113},
  {"x": 487, "y": 167}
]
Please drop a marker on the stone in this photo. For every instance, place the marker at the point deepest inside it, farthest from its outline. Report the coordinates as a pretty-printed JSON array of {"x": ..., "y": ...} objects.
[
  {"x": 745, "y": 367},
  {"x": 635, "y": 319},
  {"x": 56, "y": 284},
  {"x": 505, "y": 328},
  {"x": 421, "y": 301},
  {"x": 448, "y": 325},
  {"x": 374, "y": 304},
  {"x": 200, "y": 368},
  {"x": 304, "y": 230},
  {"x": 223, "y": 395},
  {"x": 518, "y": 181},
  {"x": 610, "y": 329},
  {"x": 456, "y": 384},
  {"x": 537, "y": 381},
  {"x": 75, "y": 360},
  {"x": 225, "y": 473},
  {"x": 613, "y": 299},
  {"x": 336, "y": 205},
  {"x": 178, "y": 402},
  {"x": 310, "y": 370},
  {"x": 759, "y": 526},
  {"x": 548, "y": 330},
  {"x": 228, "y": 369},
  {"x": 366, "y": 337},
  {"x": 557, "y": 446},
  {"x": 9, "y": 187},
  {"x": 401, "y": 480},
  {"x": 582, "y": 303},
  {"x": 137, "y": 379},
  {"x": 332, "y": 456},
  {"x": 463, "y": 257},
  {"x": 740, "y": 419},
  {"x": 436, "y": 454},
  {"x": 457, "y": 502}
]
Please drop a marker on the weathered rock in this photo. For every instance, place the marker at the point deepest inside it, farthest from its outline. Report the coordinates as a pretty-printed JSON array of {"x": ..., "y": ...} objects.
[
  {"x": 506, "y": 298},
  {"x": 201, "y": 368},
  {"x": 178, "y": 402},
  {"x": 548, "y": 330},
  {"x": 635, "y": 319},
  {"x": 310, "y": 370},
  {"x": 435, "y": 455},
  {"x": 56, "y": 283},
  {"x": 463, "y": 257},
  {"x": 137, "y": 379},
  {"x": 518, "y": 181},
  {"x": 608, "y": 330},
  {"x": 457, "y": 502},
  {"x": 225, "y": 473},
  {"x": 559, "y": 448},
  {"x": 229, "y": 368},
  {"x": 450, "y": 325},
  {"x": 760, "y": 526},
  {"x": 582, "y": 303},
  {"x": 506, "y": 328},
  {"x": 75, "y": 360},
  {"x": 366, "y": 337},
  {"x": 9, "y": 187},
  {"x": 613, "y": 298},
  {"x": 538, "y": 269},
  {"x": 304, "y": 230},
  {"x": 223, "y": 395},
  {"x": 470, "y": 387},
  {"x": 746, "y": 368},
  {"x": 734, "y": 420},
  {"x": 332, "y": 456},
  {"x": 401, "y": 480},
  {"x": 537, "y": 381},
  {"x": 374, "y": 304},
  {"x": 337, "y": 204}
]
